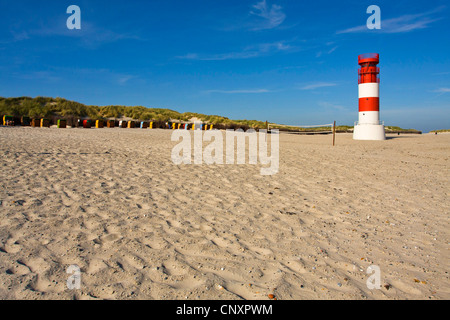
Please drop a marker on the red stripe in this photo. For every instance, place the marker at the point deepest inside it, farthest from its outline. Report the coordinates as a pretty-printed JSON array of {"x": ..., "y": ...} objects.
[{"x": 369, "y": 104}]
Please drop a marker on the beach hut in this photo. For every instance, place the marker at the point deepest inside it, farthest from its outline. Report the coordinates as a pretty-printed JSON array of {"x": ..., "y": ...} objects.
[
  {"x": 87, "y": 124},
  {"x": 110, "y": 124},
  {"x": 122, "y": 124},
  {"x": 35, "y": 123},
  {"x": 45, "y": 123},
  {"x": 61, "y": 124},
  {"x": 131, "y": 124},
  {"x": 8, "y": 120},
  {"x": 144, "y": 124},
  {"x": 99, "y": 124},
  {"x": 17, "y": 120},
  {"x": 150, "y": 126},
  {"x": 25, "y": 121}
]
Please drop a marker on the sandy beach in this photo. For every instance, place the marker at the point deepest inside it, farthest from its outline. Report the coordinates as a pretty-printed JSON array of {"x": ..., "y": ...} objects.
[{"x": 112, "y": 202}]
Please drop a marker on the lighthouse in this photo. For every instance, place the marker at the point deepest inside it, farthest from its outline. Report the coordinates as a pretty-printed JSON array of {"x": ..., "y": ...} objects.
[{"x": 369, "y": 126}]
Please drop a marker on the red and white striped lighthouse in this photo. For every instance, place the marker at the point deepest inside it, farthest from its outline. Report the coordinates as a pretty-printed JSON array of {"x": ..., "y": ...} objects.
[{"x": 369, "y": 126}]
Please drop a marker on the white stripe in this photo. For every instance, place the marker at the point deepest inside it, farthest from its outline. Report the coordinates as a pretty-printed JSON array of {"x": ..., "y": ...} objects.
[
  {"x": 369, "y": 117},
  {"x": 369, "y": 90}
]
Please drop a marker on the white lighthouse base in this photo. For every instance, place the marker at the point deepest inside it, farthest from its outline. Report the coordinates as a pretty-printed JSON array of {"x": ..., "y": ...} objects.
[{"x": 369, "y": 132}]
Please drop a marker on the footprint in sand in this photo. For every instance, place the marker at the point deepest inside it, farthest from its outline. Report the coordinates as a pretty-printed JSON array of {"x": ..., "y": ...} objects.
[
  {"x": 12, "y": 245},
  {"x": 20, "y": 268},
  {"x": 110, "y": 237},
  {"x": 135, "y": 261},
  {"x": 95, "y": 266}
]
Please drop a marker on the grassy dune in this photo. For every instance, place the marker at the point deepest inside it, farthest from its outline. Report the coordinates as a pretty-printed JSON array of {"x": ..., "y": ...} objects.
[{"x": 54, "y": 108}]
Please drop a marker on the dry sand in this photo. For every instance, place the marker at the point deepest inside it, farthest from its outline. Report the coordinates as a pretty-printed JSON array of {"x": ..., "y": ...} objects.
[{"x": 112, "y": 202}]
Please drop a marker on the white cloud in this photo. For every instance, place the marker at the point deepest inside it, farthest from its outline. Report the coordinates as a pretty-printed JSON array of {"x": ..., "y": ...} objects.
[
  {"x": 254, "y": 51},
  {"x": 90, "y": 34},
  {"x": 47, "y": 76},
  {"x": 441, "y": 73},
  {"x": 16, "y": 37},
  {"x": 241, "y": 91},
  {"x": 332, "y": 50},
  {"x": 401, "y": 24},
  {"x": 59, "y": 73},
  {"x": 189, "y": 56},
  {"x": 270, "y": 17},
  {"x": 442, "y": 90},
  {"x": 317, "y": 85},
  {"x": 274, "y": 46},
  {"x": 123, "y": 79}
]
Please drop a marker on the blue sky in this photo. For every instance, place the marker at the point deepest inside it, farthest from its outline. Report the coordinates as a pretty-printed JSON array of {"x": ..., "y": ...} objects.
[{"x": 286, "y": 61}]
